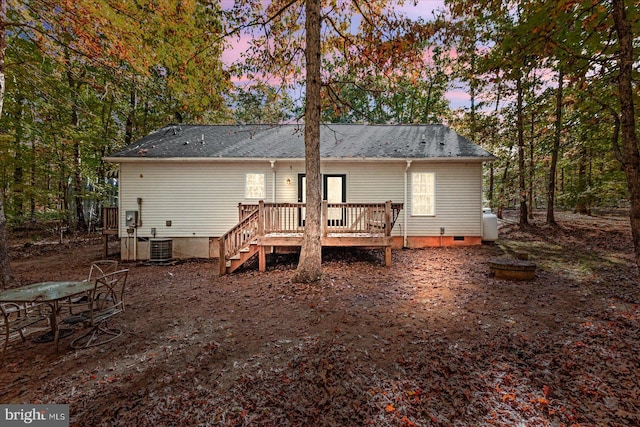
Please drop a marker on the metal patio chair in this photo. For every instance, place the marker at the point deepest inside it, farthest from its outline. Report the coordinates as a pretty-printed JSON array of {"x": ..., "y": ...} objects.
[
  {"x": 107, "y": 301},
  {"x": 15, "y": 318},
  {"x": 81, "y": 304}
]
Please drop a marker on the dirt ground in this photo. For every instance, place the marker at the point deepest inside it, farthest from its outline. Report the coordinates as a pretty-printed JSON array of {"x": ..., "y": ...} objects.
[{"x": 432, "y": 341}]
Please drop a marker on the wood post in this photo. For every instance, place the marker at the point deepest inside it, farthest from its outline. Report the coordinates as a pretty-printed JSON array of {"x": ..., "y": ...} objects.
[
  {"x": 387, "y": 256},
  {"x": 262, "y": 259},
  {"x": 261, "y": 218},
  {"x": 222, "y": 259},
  {"x": 324, "y": 218},
  {"x": 387, "y": 218}
]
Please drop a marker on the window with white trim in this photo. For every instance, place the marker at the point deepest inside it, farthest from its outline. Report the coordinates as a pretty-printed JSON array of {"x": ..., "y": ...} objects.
[
  {"x": 423, "y": 193},
  {"x": 255, "y": 186}
]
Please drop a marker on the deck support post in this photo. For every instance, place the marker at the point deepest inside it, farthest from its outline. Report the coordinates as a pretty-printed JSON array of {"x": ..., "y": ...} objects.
[
  {"x": 222, "y": 258},
  {"x": 387, "y": 256},
  {"x": 262, "y": 259}
]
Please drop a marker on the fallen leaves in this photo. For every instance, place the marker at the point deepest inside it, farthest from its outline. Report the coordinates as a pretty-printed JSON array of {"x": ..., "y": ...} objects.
[{"x": 432, "y": 341}]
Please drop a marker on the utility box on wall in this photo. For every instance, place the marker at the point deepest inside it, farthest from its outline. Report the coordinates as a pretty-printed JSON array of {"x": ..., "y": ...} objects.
[{"x": 131, "y": 218}]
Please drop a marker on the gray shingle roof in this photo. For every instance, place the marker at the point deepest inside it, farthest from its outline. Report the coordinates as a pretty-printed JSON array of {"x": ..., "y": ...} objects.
[{"x": 337, "y": 141}]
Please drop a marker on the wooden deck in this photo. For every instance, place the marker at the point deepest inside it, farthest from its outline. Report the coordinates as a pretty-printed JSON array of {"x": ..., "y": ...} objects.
[
  {"x": 264, "y": 226},
  {"x": 269, "y": 225}
]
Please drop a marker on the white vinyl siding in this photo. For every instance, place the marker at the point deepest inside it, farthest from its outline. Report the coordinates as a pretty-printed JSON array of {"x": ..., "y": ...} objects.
[
  {"x": 458, "y": 200},
  {"x": 423, "y": 189},
  {"x": 201, "y": 198},
  {"x": 369, "y": 182},
  {"x": 254, "y": 186}
]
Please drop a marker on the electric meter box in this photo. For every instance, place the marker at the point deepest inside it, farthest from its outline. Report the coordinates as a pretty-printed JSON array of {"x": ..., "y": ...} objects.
[{"x": 131, "y": 218}]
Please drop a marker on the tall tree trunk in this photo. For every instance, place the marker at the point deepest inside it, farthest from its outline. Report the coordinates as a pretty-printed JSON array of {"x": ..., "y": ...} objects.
[
  {"x": 503, "y": 187},
  {"x": 5, "y": 268},
  {"x": 32, "y": 180},
  {"x": 6, "y": 277},
  {"x": 491, "y": 185},
  {"x": 133, "y": 103},
  {"x": 18, "y": 171},
  {"x": 628, "y": 153},
  {"x": 78, "y": 190},
  {"x": 551, "y": 189},
  {"x": 532, "y": 169},
  {"x": 494, "y": 136},
  {"x": 472, "y": 92},
  {"x": 310, "y": 264},
  {"x": 582, "y": 203},
  {"x": 521, "y": 161}
]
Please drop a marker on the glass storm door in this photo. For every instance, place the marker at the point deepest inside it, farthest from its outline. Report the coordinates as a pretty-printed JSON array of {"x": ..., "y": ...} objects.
[
  {"x": 302, "y": 198},
  {"x": 334, "y": 191}
]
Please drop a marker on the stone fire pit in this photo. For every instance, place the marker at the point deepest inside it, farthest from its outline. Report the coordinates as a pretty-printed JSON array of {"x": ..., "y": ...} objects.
[{"x": 512, "y": 269}]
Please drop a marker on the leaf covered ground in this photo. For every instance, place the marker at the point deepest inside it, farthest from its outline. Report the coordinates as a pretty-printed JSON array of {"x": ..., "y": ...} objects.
[{"x": 432, "y": 341}]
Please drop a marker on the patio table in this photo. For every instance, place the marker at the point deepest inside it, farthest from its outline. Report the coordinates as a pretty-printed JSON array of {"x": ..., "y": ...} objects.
[{"x": 51, "y": 293}]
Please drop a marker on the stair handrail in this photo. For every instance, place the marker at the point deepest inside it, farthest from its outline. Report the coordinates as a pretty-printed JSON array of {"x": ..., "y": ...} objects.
[{"x": 237, "y": 238}]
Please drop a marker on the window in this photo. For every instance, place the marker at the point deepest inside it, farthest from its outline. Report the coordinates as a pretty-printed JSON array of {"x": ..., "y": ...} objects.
[
  {"x": 254, "y": 186},
  {"x": 423, "y": 193}
]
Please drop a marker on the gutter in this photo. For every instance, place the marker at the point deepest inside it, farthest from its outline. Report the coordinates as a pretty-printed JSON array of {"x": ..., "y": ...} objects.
[
  {"x": 273, "y": 183},
  {"x": 404, "y": 226},
  {"x": 293, "y": 159}
]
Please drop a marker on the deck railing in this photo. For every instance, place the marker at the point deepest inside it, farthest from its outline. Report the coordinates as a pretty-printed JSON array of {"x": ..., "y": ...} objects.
[
  {"x": 372, "y": 218},
  {"x": 109, "y": 219},
  {"x": 240, "y": 236}
]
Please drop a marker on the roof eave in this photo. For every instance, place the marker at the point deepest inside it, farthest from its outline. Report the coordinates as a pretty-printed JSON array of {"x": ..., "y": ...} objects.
[{"x": 289, "y": 159}]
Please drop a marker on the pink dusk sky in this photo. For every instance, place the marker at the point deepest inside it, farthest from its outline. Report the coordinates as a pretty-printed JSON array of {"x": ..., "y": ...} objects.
[{"x": 424, "y": 9}]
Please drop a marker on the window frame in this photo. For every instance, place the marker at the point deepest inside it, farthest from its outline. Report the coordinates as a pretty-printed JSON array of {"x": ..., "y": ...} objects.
[
  {"x": 262, "y": 190},
  {"x": 431, "y": 194}
]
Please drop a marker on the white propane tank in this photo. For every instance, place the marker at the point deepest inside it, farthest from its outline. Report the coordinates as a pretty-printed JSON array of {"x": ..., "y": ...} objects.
[{"x": 489, "y": 226}]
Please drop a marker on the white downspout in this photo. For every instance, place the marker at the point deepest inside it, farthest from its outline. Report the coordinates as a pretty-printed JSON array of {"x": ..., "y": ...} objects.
[
  {"x": 273, "y": 183},
  {"x": 404, "y": 226}
]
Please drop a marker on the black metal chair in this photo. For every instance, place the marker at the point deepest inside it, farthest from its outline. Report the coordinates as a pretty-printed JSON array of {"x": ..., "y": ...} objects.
[{"x": 106, "y": 301}]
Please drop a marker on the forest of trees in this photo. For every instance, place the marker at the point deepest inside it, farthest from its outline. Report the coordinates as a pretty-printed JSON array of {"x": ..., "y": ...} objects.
[{"x": 553, "y": 86}]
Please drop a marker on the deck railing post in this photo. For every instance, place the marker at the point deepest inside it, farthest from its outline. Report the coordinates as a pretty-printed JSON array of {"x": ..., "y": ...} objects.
[
  {"x": 261, "y": 218},
  {"x": 323, "y": 218},
  {"x": 387, "y": 218}
]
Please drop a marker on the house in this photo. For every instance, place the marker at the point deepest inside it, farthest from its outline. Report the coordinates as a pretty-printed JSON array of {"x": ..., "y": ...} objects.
[{"x": 184, "y": 187}]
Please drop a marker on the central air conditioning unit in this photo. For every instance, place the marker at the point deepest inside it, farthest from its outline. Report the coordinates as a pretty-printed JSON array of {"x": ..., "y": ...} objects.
[{"x": 160, "y": 250}]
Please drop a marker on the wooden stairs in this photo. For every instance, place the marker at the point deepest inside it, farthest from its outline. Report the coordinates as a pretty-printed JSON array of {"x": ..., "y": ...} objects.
[{"x": 245, "y": 254}]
